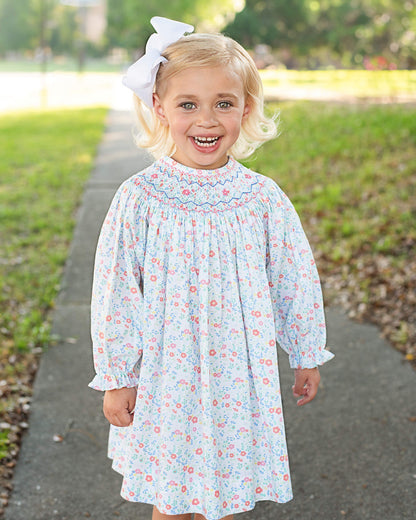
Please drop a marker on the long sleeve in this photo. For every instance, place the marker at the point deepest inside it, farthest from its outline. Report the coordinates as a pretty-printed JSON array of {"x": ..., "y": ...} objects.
[
  {"x": 294, "y": 285},
  {"x": 117, "y": 298}
]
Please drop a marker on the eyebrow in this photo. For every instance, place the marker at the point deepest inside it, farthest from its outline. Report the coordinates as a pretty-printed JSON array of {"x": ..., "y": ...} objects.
[{"x": 192, "y": 97}]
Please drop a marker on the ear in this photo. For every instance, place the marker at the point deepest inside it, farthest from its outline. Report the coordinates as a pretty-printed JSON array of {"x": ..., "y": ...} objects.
[
  {"x": 247, "y": 110},
  {"x": 159, "y": 112}
]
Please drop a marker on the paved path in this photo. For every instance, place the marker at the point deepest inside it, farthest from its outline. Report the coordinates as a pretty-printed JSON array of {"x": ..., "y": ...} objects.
[{"x": 353, "y": 450}]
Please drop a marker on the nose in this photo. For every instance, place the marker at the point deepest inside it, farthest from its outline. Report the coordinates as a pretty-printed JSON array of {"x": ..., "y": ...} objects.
[{"x": 206, "y": 118}]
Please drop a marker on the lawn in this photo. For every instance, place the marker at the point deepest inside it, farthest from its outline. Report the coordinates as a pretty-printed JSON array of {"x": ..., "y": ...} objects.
[
  {"x": 360, "y": 84},
  {"x": 46, "y": 159},
  {"x": 350, "y": 170}
]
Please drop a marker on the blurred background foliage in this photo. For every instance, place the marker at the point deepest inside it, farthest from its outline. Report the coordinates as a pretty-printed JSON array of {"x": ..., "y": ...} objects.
[{"x": 371, "y": 34}]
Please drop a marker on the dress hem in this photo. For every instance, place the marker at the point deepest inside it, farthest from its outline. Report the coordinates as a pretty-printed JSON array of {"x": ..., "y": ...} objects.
[
  {"x": 193, "y": 511},
  {"x": 226, "y": 513}
]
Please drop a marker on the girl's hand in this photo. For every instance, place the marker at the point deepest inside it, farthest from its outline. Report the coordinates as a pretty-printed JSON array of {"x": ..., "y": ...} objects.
[
  {"x": 306, "y": 384},
  {"x": 119, "y": 405}
]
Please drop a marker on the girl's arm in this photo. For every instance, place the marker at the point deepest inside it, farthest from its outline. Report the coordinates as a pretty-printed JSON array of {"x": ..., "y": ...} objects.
[
  {"x": 117, "y": 299},
  {"x": 296, "y": 295}
]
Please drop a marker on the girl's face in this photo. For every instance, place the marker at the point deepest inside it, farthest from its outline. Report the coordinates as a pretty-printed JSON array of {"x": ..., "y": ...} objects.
[{"x": 204, "y": 109}]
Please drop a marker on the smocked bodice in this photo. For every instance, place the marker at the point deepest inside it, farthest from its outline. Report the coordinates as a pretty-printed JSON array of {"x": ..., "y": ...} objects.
[{"x": 200, "y": 190}]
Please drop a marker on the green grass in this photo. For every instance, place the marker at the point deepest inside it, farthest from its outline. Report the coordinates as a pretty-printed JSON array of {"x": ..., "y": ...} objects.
[
  {"x": 46, "y": 159},
  {"x": 4, "y": 443},
  {"x": 351, "y": 172},
  {"x": 357, "y": 83}
]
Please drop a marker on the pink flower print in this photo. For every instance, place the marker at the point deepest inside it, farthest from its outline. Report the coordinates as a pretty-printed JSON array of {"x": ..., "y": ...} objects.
[
  {"x": 212, "y": 352},
  {"x": 157, "y": 429},
  {"x": 183, "y": 489},
  {"x": 198, "y": 451},
  {"x": 248, "y": 247},
  {"x": 256, "y": 332},
  {"x": 211, "y": 253},
  {"x": 186, "y": 192},
  {"x": 149, "y": 478},
  {"x": 259, "y": 489},
  {"x": 225, "y": 192},
  {"x": 276, "y": 429},
  {"x": 266, "y": 381},
  {"x": 213, "y": 303},
  {"x": 217, "y": 493}
]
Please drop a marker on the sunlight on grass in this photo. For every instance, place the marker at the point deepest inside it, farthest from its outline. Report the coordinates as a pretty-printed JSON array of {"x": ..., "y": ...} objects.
[{"x": 358, "y": 83}]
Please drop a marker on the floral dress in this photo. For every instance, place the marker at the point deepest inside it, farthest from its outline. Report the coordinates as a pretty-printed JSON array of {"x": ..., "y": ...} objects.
[{"x": 199, "y": 274}]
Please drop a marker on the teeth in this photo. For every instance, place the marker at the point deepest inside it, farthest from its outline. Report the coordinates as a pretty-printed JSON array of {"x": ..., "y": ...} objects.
[{"x": 205, "y": 141}]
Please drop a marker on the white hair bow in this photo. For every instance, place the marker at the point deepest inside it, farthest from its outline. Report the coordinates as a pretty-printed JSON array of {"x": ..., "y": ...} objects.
[{"x": 141, "y": 76}]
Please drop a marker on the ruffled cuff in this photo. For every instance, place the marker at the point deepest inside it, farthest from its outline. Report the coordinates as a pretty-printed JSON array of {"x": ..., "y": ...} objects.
[
  {"x": 111, "y": 382},
  {"x": 310, "y": 359}
]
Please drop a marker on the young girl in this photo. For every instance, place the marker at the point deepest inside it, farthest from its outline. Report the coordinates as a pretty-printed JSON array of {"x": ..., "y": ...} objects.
[{"x": 202, "y": 267}]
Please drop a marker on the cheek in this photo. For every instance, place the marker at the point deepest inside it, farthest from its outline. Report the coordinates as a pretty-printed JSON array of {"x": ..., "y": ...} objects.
[
  {"x": 179, "y": 127},
  {"x": 234, "y": 125}
]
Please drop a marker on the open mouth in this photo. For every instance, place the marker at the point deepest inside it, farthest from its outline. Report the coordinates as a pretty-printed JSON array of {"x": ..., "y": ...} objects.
[{"x": 206, "y": 142}]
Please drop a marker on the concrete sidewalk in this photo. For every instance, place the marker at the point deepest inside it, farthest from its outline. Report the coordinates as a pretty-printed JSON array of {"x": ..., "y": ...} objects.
[{"x": 353, "y": 450}]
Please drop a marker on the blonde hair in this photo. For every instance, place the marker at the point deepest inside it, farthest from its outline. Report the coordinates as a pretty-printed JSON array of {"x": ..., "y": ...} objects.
[{"x": 208, "y": 50}]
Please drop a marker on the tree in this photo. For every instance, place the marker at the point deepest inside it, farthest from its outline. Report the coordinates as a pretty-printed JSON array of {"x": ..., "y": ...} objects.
[
  {"x": 16, "y": 31},
  {"x": 353, "y": 30},
  {"x": 129, "y": 21},
  {"x": 277, "y": 23}
]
